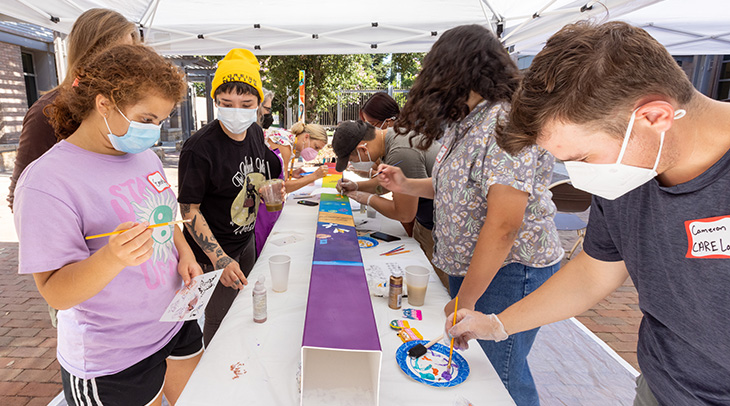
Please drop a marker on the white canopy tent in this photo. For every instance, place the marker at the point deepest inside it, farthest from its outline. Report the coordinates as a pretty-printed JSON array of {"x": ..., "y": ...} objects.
[
  {"x": 684, "y": 27},
  {"x": 284, "y": 27}
]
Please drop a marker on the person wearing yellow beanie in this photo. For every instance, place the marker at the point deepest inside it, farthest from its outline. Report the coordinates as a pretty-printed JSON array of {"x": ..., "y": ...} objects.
[
  {"x": 239, "y": 65},
  {"x": 220, "y": 171}
]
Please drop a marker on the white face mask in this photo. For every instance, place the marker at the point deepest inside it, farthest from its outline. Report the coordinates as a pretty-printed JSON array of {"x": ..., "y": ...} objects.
[
  {"x": 363, "y": 166},
  {"x": 612, "y": 181},
  {"x": 236, "y": 120}
]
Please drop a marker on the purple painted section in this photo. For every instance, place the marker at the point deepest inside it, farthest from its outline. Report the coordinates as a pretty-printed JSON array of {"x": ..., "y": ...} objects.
[{"x": 339, "y": 310}]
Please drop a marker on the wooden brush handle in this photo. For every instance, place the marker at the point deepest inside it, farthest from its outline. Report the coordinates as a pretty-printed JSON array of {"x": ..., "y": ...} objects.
[{"x": 434, "y": 341}]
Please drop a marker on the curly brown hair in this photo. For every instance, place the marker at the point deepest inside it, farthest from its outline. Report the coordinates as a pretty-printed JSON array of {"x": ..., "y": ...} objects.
[
  {"x": 466, "y": 58},
  {"x": 124, "y": 74},
  {"x": 590, "y": 74}
]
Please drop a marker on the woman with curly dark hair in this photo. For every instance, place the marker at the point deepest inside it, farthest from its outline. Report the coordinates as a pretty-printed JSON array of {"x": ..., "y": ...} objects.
[
  {"x": 112, "y": 290},
  {"x": 493, "y": 215}
]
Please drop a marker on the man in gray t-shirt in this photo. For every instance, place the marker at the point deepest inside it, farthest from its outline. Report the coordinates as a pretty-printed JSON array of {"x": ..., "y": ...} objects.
[
  {"x": 612, "y": 103},
  {"x": 359, "y": 145}
]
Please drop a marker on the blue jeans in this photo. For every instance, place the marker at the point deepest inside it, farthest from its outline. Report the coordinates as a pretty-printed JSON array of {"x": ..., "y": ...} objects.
[{"x": 509, "y": 357}]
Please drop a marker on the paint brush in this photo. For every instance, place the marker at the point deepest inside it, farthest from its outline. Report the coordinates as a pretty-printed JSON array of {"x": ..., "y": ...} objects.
[
  {"x": 451, "y": 347},
  {"x": 169, "y": 223},
  {"x": 379, "y": 172},
  {"x": 420, "y": 349}
]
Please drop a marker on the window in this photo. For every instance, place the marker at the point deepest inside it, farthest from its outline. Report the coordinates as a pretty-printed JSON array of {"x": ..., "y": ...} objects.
[
  {"x": 31, "y": 89},
  {"x": 723, "y": 85}
]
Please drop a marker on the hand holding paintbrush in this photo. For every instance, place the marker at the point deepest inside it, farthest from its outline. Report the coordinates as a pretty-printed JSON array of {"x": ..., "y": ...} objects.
[
  {"x": 451, "y": 347},
  {"x": 169, "y": 223}
]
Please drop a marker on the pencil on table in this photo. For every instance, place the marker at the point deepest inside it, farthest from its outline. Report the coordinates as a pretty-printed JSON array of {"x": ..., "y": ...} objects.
[
  {"x": 169, "y": 223},
  {"x": 396, "y": 253},
  {"x": 400, "y": 247}
]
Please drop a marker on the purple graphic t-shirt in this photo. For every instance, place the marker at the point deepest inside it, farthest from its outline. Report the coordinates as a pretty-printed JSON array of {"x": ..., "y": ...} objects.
[{"x": 70, "y": 193}]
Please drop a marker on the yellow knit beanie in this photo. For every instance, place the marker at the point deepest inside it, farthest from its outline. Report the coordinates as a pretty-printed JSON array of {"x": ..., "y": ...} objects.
[{"x": 239, "y": 65}]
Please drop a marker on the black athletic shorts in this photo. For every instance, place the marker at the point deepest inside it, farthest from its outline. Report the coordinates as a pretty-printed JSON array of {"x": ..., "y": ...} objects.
[{"x": 139, "y": 384}]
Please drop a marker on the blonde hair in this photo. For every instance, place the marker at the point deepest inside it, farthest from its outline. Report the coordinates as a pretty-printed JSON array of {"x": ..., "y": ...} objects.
[
  {"x": 315, "y": 131},
  {"x": 94, "y": 31}
]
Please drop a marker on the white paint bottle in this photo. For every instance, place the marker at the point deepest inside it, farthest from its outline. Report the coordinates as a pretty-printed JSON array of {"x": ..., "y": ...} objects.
[{"x": 259, "y": 301}]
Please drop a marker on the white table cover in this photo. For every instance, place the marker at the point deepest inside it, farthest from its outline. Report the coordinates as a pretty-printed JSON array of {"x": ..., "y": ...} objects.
[{"x": 266, "y": 356}]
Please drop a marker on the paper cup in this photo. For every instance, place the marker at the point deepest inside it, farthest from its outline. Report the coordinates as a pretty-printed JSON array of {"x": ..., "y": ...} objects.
[
  {"x": 271, "y": 192},
  {"x": 279, "y": 267},
  {"x": 417, "y": 282}
]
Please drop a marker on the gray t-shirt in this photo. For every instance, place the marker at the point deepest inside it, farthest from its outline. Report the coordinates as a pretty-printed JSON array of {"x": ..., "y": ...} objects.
[
  {"x": 675, "y": 242},
  {"x": 416, "y": 164}
]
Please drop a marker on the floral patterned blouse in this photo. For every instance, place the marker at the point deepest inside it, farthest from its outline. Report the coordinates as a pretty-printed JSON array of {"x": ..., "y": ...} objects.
[
  {"x": 469, "y": 162},
  {"x": 280, "y": 136}
]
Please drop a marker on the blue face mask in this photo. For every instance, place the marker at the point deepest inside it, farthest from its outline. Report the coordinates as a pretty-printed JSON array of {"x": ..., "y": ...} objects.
[{"x": 139, "y": 136}]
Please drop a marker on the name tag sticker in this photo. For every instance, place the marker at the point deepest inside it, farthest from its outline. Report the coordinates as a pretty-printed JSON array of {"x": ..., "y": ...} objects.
[
  {"x": 158, "y": 181},
  {"x": 441, "y": 153},
  {"x": 708, "y": 238}
]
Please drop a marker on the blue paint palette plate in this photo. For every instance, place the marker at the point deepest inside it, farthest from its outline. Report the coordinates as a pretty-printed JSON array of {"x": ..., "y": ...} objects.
[
  {"x": 367, "y": 242},
  {"x": 429, "y": 368}
]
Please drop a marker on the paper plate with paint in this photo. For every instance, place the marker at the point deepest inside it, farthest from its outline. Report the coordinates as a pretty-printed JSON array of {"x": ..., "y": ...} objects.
[
  {"x": 367, "y": 242},
  {"x": 431, "y": 367}
]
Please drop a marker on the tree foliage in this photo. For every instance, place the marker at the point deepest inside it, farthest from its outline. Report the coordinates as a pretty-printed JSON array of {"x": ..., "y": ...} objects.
[{"x": 327, "y": 75}]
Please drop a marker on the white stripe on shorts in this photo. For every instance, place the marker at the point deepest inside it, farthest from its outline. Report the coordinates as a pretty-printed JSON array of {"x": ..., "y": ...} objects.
[
  {"x": 96, "y": 392},
  {"x": 86, "y": 392},
  {"x": 75, "y": 390}
]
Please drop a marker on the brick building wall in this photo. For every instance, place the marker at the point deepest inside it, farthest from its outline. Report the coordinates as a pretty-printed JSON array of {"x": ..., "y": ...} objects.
[{"x": 13, "y": 100}]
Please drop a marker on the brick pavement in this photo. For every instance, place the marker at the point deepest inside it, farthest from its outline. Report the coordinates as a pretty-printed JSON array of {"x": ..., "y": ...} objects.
[
  {"x": 29, "y": 372},
  {"x": 615, "y": 320}
]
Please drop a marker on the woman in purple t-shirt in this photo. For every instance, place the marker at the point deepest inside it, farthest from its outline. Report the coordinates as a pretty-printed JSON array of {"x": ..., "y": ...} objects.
[{"x": 111, "y": 291}]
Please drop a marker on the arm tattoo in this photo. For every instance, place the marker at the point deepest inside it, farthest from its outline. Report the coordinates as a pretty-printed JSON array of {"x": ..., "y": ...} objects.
[
  {"x": 184, "y": 209},
  {"x": 207, "y": 243},
  {"x": 223, "y": 262}
]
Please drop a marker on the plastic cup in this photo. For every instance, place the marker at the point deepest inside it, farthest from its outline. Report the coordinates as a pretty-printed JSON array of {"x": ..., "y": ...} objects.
[
  {"x": 417, "y": 282},
  {"x": 279, "y": 267},
  {"x": 271, "y": 192}
]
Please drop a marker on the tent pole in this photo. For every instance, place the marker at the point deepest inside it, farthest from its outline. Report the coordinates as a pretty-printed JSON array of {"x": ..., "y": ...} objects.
[
  {"x": 534, "y": 16},
  {"x": 148, "y": 14},
  {"x": 61, "y": 57},
  {"x": 39, "y": 11},
  {"x": 496, "y": 15}
]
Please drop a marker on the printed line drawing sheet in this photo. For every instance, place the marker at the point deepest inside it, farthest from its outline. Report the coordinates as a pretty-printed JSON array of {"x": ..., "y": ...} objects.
[{"x": 190, "y": 301}]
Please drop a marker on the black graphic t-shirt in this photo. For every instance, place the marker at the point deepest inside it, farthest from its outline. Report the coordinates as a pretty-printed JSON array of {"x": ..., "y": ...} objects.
[{"x": 223, "y": 176}]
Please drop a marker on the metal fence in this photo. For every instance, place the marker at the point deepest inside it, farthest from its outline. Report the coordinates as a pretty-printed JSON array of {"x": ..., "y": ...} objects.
[{"x": 348, "y": 105}]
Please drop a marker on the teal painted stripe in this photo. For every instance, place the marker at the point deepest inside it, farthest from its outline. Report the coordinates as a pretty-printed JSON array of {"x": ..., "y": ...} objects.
[{"x": 341, "y": 263}]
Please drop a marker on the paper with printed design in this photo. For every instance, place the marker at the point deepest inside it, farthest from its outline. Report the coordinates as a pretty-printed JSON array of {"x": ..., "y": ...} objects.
[{"x": 190, "y": 301}]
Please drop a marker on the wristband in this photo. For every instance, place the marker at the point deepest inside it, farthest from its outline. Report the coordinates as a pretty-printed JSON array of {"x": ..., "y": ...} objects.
[{"x": 368, "y": 202}]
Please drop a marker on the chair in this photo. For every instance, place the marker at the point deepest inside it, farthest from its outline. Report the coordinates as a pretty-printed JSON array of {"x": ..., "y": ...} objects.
[{"x": 569, "y": 200}]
